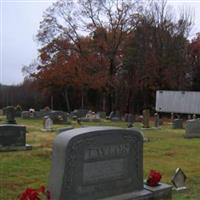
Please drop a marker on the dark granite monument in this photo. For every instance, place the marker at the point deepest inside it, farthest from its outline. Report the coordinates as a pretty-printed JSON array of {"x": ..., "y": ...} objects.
[
  {"x": 103, "y": 163},
  {"x": 10, "y": 115},
  {"x": 13, "y": 137}
]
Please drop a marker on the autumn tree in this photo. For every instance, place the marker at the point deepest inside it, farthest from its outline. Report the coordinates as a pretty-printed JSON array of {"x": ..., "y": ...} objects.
[
  {"x": 194, "y": 61},
  {"x": 108, "y": 22},
  {"x": 156, "y": 54}
]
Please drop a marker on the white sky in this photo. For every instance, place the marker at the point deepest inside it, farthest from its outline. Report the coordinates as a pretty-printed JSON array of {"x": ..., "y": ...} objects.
[{"x": 19, "y": 22}]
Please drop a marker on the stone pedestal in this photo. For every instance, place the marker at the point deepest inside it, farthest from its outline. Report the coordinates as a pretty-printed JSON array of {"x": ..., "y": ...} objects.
[{"x": 162, "y": 191}]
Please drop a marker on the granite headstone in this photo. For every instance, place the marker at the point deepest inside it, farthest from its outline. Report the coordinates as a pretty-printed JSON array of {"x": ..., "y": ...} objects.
[
  {"x": 192, "y": 128},
  {"x": 98, "y": 163},
  {"x": 10, "y": 115},
  {"x": 13, "y": 137}
]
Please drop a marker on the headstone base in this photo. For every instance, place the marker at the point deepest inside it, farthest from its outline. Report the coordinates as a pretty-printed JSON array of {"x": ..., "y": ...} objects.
[
  {"x": 139, "y": 195},
  {"x": 15, "y": 148},
  {"x": 162, "y": 191}
]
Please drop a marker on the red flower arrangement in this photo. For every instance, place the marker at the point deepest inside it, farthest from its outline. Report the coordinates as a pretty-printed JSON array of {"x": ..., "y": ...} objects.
[
  {"x": 36, "y": 194},
  {"x": 153, "y": 178}
]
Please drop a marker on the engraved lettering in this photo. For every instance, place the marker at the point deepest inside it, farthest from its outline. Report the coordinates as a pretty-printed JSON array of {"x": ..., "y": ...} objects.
[{"x": 106, "y": 151}]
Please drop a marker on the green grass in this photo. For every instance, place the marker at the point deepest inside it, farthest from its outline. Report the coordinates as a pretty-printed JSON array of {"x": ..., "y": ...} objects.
[{"x": 167, "y": 150}]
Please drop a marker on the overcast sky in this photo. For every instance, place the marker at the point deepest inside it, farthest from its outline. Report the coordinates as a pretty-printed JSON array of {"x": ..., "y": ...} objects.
[{"x": 19, "y": 22}]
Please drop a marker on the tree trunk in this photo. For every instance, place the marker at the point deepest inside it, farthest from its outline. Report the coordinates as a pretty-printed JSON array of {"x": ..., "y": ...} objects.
[{"x": 67, "y": 99}]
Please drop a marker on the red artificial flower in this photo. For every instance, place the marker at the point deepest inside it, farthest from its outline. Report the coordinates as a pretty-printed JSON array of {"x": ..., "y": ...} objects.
[
  {"x": 35, "y": 194},
  {"x": 153, "y": 178}
]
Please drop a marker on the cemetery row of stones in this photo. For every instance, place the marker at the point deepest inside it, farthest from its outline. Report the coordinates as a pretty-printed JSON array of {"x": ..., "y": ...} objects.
[
  {"x": 102, "y": 163},
  {"x": 192, "y": 126}
]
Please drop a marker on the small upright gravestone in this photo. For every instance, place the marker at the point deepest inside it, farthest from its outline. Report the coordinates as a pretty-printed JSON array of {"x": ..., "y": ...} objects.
[
  {"x": 48, "y": 122},
  {"x": 103, "y": 163},
  {"x": 130, "y": 120},
  {"x": 10, "y": 115},
  {"x": 192, "y": 128},
  {"x": 177, "y": 124},
  {"x": 146, "y": 116},
  {"x": 179, "y": 180}
]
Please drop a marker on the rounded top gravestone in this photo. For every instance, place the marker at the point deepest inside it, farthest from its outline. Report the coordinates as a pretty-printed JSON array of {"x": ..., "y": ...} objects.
[
  {"x": 97, "y": 163},
  {"x": 10, "y": 115}
]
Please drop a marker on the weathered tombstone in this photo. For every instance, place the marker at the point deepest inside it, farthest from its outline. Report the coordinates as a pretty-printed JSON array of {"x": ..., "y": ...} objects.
[
  {"x": 146, "y": 116},
  {"x": 58, "y": 117},
  {"x": 25, "y": 115},
  {"x": 91, "y": 117},
  {"x": 78, "y": 113},
  {"x": 177, "y": 124},
  {"x": 96, "y": 163},
  {"x": 179, "y": 179},
  {"x": 1, "y": 112},
  {"x": 192, "y": 128},
  {"x": 10, "y": 115},
  {"x": 13, "y": 137},
  {"x": 112, "y": 114},
  {"x": 101, "y": 163},
  {"x": 130, "y": 120},
  {"x": 102, "y": 114},
  {"x": 48, "y": 122}
]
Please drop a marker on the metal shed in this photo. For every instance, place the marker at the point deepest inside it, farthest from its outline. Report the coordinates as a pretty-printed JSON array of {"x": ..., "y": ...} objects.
[{"x": 187, "y": 102}]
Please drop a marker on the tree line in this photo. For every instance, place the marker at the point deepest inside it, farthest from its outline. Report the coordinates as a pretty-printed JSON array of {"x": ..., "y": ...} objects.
[{"x": 113, "y": 55}]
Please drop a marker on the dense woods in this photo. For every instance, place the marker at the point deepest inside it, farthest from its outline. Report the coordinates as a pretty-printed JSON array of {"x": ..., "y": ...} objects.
[{"x": 107, "y": 55}]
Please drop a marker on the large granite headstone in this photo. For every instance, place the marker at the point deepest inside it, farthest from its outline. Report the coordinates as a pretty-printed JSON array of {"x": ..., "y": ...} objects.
[
  {"x": 13, "y": 137},
  {"x": 103, "y": 163},
  {"x": 10, "y": 115},
  {"x": 192, "y": 128}
]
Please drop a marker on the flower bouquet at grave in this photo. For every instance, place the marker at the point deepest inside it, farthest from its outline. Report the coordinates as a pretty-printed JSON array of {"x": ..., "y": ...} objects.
[
  {"x": 154, "y": 178},
  {"x": 36, "y": 194}
]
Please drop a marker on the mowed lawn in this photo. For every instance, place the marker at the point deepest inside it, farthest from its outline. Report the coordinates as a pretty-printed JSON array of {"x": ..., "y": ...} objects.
[{"x": 166, "y": 150}]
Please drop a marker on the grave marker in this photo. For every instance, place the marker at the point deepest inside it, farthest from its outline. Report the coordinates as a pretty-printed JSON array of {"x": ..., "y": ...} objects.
[
  {"x": 97, "y": 162},
  {"x": 13, "y": 137},
  {"x": 103, "y": 163}
]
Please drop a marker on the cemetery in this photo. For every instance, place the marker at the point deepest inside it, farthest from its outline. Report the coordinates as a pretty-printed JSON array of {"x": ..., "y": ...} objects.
[
  {"x": 43, "y": 165},
  {"x": 100, "y": 100}
]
